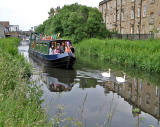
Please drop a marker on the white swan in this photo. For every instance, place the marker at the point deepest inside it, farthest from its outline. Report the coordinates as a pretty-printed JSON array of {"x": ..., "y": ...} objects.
[
  {"x": 121, "y": 79},
  {"x": 107, "y": 74}
]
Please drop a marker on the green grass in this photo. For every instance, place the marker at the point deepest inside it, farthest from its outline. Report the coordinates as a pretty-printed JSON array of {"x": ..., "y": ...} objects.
[
  {"x": 19, "y": 100},
  {"x": 140, "y": 54}
]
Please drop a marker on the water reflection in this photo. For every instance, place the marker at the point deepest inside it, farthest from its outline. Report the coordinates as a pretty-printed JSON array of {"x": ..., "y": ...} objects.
[
  {"x": 58, "y": 80},
  {"x": 138, "y": 93},
  {"x": 64, "y": 76}
]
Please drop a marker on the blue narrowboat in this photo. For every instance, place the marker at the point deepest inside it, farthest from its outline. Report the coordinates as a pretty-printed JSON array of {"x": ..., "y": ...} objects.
[{"x": 57, "y": 53}]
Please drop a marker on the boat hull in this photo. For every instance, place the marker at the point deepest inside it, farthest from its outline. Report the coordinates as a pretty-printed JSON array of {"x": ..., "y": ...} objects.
[{"x": 64, "y": 60}]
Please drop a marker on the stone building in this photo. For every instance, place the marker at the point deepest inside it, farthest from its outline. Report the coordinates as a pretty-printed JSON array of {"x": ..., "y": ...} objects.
[
  {"x": 6, "y": 25},
  {"x": 131, "y": 16}
]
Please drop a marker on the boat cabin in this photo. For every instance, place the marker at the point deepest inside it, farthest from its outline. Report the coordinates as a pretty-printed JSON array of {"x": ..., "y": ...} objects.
[{"x": 50, "y": 46}]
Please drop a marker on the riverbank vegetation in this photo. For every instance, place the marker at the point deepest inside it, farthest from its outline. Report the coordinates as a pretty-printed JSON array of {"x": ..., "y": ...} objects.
[
  {"x": 76, "y": 22},
  {"x": 140, "y": 54},
  {"x": 19, "y": 100}
]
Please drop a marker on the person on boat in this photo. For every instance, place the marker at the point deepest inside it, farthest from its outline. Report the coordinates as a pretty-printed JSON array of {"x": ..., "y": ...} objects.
[
  {"x": 56, "y": 50},
  {"x": 51, "y": 50},
  {"x": 67, "y": 49},
  {"x": 62, "y": 48}
]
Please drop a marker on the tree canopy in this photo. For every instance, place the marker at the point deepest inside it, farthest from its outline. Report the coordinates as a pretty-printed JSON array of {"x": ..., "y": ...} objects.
[{"x": 74, "y": 21}]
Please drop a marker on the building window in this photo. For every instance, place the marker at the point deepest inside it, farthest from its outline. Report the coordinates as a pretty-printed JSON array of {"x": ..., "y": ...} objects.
[
  {"x": 156, "y": 110},
  {"x": 138, "y": 12},
  {"x": 152, "y": 1},
  {"x": 114, "y": 18},
  {"x": 122, "y": 13},
  {"x": 137, "y": 29},
  {"x": 115, "y": 4},
  {"x": 104, "y": 8},
  {"x": 123, "y": 1},
  {"x": 144, "y": 11},
  {"x": 132, "y": 31},
  {"x": 151, "y": 22},
  {"x": 118, "y": 16},
  {"x": 132, "y": 14}
]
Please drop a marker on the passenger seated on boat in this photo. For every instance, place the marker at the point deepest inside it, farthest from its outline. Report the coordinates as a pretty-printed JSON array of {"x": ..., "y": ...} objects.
[
  {"x": 67, "y": 49},
  {"x": 51, "y": 50},
  {"x": 62, "y": 48},
  {"x": 56, "y": 50}
]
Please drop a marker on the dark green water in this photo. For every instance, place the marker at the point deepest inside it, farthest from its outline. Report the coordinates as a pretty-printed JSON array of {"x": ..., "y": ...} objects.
[{"x": 93, "y": 99}]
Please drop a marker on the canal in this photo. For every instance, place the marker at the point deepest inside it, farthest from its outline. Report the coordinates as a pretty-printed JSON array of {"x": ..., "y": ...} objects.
[{"x": 84, "y": 95}]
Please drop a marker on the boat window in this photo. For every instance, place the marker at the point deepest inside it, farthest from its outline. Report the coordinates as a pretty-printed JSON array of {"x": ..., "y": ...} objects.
[{"x": 32, "y": 36}]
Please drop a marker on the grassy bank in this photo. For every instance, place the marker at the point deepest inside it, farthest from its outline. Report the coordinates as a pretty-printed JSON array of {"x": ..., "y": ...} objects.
[
  {"x": 143, "y": 55},
  {"x": 19, "y": 101}
]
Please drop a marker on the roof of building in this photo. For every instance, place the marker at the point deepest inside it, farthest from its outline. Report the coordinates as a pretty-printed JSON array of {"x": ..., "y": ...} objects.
[
  {"x": 103, "y": 2},
  {"x": 5, "y": 23}
]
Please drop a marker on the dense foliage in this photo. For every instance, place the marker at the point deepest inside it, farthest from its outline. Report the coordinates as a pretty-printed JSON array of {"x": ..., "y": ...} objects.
[
  {"x": 19, "y": 101},
  {"x": 76, "y": 22},
  {"x": 144, "y": 55}
]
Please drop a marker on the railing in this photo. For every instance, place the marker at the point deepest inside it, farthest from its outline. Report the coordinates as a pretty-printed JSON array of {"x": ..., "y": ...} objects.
[{"x": 133, "y": 36}]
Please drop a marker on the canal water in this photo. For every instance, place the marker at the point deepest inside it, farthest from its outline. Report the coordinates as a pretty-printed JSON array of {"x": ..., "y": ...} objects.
[{"x": 83, "y": 94}]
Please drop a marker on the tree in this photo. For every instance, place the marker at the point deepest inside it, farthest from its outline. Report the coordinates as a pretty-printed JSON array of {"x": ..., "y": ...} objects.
[{"x": 76, "y": 21}]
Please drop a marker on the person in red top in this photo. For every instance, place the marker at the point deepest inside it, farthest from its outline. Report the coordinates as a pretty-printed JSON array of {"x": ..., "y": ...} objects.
[{"x": 67, "y": 49}]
